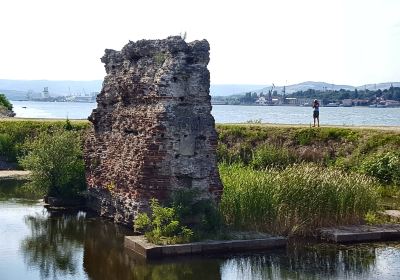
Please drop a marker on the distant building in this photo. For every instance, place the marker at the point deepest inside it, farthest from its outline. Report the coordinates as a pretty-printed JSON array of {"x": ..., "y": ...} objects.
[
  {"x": 361, "y": 102},
  {"x": 347, "y": 102},
  {"x": 392, "y": 103},
  {"x": 45, "y": 93}
]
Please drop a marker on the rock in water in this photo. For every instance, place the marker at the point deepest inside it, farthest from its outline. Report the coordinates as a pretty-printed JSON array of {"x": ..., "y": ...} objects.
[{"x": 153, "y": 132}]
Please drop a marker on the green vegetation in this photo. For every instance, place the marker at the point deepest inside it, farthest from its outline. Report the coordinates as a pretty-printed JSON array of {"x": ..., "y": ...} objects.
[
  {"x": 56, "y": 161},
  {"x": 186, "y": 219},
  {"x": 327, "y": 96},
  {"x": 163, "y": 226},
  {"x": 282, "y": 179},
  {"x": 295, "y": 200},
  {"x": 383, "y": 165},
  {"x": 360, "y": 97},
  {"x": 159, "y": 58},
  {"x": 348, "y": 149},
  {"x": 13, "y": 133},
  {"x": 4, "y": 102}
]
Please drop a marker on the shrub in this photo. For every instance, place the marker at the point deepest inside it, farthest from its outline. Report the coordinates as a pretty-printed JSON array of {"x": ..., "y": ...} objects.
[
  {"x": 6, "y": 144},
  {"x": 271, "y": 156},
  {"x": 5, "y": 103},
  {"x": 200, "y": 214},
  {"x": 17, "y": 132},
  {"x": 305, "y": 136},
  {"x": 383, "y": 165},
  {"x": 295, "y": 200},
  {"x": 163, "y": 226},
  {"x": 188, "y": 217},
  {"x": 56, "y": 162}
]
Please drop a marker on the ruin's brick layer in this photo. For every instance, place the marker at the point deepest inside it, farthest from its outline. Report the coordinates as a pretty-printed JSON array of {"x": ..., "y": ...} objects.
[{"x": 153, "y": 131}]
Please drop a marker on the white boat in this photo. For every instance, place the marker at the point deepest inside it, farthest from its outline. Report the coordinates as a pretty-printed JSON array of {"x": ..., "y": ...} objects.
[{"x": 332, "y": 105}]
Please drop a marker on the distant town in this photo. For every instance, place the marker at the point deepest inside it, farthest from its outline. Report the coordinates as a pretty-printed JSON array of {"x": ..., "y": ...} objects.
[
  {"x": 268, "y": 96},
  {"x": 329, "y": 98},
  {"x": 45, "y": 96}
]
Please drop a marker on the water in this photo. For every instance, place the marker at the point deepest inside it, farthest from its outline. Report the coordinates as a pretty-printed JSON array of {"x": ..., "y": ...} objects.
[
  {"x": 353, "y": 116},
  {"x": 38, "y": 244}
]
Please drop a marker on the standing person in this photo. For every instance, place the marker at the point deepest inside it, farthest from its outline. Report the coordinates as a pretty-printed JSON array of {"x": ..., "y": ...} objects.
[{"x": 316, "y": 111}]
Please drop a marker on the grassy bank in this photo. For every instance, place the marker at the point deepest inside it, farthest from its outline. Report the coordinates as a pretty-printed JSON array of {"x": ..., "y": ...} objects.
[
  {"x": 14, "y": 132},
  {"x": 282, "y": 179},
  {"x": 370, "y": 151}
]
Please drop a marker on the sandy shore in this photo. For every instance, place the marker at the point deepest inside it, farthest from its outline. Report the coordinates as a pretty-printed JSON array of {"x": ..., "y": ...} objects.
[{"x": 14, "y": 174}]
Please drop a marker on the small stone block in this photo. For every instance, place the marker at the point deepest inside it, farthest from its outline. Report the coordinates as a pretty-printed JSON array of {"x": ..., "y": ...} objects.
[{"x": 361, "y": 233}]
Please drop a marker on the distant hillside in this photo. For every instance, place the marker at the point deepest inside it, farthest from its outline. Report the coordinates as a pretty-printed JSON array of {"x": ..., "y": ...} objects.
[
  {"x": 380, "y": 86},
  {"x": 322, "y": 85},
  {"x": 17, "y": 89},
  {"x": 308, "y": 85},
  {"x": 226, "y": 90},
  {"x": 13, "y": 88},
  {"x": 14, "y": 94}
]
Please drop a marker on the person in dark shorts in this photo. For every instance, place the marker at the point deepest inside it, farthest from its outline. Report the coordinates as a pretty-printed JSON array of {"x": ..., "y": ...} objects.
[{"x": 315, "y": 106}]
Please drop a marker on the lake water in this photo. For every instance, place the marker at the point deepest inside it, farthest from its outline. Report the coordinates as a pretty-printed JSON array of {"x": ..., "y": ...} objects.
[
  {"x": 39, "y": 244},
  {"x": 357, "y": 116}
]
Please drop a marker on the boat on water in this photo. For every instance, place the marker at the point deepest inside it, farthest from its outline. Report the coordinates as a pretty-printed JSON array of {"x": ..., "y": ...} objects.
[
  {"x": 378, "y": 106},
  {"x": 331, "y": 105}
]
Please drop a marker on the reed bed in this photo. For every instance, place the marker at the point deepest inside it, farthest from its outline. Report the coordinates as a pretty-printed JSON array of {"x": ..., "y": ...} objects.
[{"x": 295, "y": 200}]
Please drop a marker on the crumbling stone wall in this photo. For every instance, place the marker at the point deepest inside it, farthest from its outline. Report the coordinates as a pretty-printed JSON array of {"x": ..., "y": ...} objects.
[{"x": 153, "y": 131}]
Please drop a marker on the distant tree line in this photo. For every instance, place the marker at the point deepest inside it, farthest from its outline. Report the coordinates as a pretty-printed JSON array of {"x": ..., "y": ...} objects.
[
  {"x": 248, "y": 98},
  {"x": 393, "y": 93}
]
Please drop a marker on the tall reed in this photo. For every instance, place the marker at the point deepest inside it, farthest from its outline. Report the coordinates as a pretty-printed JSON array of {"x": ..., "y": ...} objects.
[{"x": 295, "y": 200}]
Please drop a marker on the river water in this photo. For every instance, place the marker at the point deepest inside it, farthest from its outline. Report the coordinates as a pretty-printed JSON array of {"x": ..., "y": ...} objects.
[
  {"x": 39, "y": 244},
  {"x": 353, "y": 116}
]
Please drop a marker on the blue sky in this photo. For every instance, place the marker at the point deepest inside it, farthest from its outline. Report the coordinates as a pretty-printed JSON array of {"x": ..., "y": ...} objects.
[{"x": 252, "y": 42}]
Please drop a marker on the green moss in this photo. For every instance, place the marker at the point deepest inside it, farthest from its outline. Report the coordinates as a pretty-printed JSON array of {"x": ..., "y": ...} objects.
[{"x": 159, "y": 58}]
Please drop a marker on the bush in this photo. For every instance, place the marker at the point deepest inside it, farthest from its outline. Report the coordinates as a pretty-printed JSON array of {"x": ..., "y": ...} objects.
[
  {"x": 200, "y": 214},
  {"x": 188, "y": 217},
  {"x": 6, "y": 144},
  {"x": 56, "y": 162},
  {"x": 16, "y": 132},
  {"x": 383, "y": 165},
  {"x": 163, "y": 226},
  {"x": 5, "y": 103},
  {"x": 296, "y": 200}
]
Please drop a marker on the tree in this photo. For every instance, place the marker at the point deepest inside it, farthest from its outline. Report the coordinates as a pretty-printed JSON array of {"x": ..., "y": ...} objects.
[
  {"x": 56, "y": 162},
  {"x": 5, "y": 102}
]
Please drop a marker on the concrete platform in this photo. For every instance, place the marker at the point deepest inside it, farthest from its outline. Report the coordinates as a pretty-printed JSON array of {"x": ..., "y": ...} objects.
[
  {"x": 392, "y": 215},
  {"x": 362, "y": 233},
  {"x": 140, "y": 246}
]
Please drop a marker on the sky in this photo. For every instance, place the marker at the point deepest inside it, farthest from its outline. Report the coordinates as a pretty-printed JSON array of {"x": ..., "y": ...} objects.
[{"x": 352, "y": 42}]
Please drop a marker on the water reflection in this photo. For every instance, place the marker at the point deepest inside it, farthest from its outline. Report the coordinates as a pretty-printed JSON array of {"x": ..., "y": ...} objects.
[
  {"x": 54, "y": 241},
  {"x": 305, "y": 261},
  {"x": 79, "y": 245}
]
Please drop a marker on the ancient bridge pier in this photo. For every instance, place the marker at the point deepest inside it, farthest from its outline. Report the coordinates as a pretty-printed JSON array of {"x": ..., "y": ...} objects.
[{"x": 153, "y": 132}]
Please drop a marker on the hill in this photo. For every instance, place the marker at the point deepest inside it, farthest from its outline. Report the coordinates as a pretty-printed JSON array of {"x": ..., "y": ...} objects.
[{"x": 18, "y": 89}]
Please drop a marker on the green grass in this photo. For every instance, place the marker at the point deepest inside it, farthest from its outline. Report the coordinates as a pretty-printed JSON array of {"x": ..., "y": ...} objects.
[
  {"x": 296, "y": 200},
  {"x": 13, "y": 133}
]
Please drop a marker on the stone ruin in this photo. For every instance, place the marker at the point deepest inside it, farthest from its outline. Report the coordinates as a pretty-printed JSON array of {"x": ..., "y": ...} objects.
[{"x": 153, "y": 132}]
